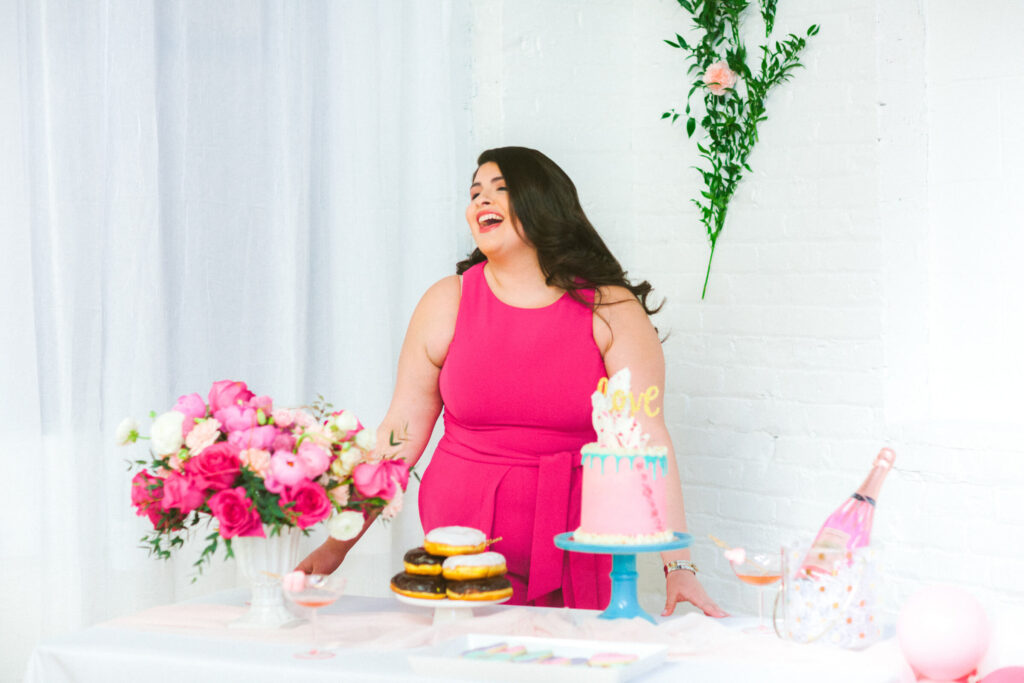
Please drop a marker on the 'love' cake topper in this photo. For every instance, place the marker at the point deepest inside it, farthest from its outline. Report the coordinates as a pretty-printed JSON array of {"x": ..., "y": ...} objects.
[{"x": 615, "y": 408}]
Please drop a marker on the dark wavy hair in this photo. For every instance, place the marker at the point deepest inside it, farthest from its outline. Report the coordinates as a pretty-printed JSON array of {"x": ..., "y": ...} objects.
[{"x": 572, "y": 255}]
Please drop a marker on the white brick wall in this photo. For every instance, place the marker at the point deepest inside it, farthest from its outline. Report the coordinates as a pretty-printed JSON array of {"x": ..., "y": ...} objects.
[{"x": 883, "y": 212}]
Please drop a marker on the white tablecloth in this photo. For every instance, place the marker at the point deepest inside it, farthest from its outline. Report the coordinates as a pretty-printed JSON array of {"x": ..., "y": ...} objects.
[{"x": 374, "y": 636}]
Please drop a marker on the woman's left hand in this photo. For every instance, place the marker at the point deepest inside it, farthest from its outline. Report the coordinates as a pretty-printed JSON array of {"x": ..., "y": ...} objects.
[{"x": 683, "y": 586}]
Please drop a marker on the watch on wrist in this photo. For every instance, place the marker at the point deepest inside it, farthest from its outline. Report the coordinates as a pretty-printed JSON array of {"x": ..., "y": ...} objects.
[{"x": 676, "y": 565}]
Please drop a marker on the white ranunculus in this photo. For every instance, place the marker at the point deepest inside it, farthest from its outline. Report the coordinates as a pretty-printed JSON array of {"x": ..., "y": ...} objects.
[
  {"x": 345, "y": 525},
  {"x": 346, "y": 421},
  {"x": 127, "y": 432},
  {"x": 367, "y": 439},
  {"x": 166, "y": 433}
]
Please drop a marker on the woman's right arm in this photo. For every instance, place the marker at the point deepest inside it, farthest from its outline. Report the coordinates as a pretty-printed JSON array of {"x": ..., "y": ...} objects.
[{"x": 416, "y": 402}]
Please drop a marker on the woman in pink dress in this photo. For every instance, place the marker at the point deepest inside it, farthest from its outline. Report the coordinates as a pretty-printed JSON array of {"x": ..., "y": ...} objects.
[{"x": 511, "y": 347}]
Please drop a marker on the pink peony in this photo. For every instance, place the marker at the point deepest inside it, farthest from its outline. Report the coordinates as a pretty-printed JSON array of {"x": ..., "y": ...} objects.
[
  {"x": 311, "y": 504},
  {"x": 264, "y": 403},
  {"x": 283, "y": 442},
  {"x": 256, "y": 437},
  {"x": 236, "y": 513},
  {"x": 257, "y": 460},
  {"x": 204, "y": 435},
  {"x": 216, "y": 467},
  {"x": 228, "y": 393},
  {"x": 193, "y": 408},
  {"x": 719, "y": 78},
  {"x": 147, "y": 492},
  {"x": 380, "y": 479},
  {"x": 236, "y": 418},
  {"x": 181, "y": 492},
  {"x": 314, "y": 459},
  {"x": 286, "y": 468}
]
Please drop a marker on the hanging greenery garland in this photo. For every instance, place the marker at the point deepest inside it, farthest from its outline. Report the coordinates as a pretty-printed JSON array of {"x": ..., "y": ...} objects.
[{"x": 734, "y": 98}]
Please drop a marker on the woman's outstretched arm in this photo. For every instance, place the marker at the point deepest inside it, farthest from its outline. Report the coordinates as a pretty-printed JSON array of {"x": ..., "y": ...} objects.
[
  {"x": 415, "y": 404},
  {"x": 627, "y": 338}
]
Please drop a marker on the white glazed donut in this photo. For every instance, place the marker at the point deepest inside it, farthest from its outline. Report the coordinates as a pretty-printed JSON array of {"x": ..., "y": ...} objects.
[
  {"x": 455, "y": 540},
  {"x": 478, "y": 566}
]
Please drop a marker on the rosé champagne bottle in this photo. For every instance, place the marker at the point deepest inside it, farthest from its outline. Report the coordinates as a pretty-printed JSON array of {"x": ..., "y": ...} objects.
[{"x": 849, "y": 527}]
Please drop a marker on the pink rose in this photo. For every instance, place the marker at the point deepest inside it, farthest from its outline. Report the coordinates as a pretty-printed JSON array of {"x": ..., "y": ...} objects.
[
  {"x": 193, "y": 408},
  {"x": 256, "y": 437},
  {"x": 311, "y": 504},
  {"x": 719, "y": 78},
  {"x": 286, "y": 468},
  {"x": 380, "y": 480},
  {"x": 204, "y": 435},
  {"x": 339, "y": 494},
  {"x": 315, "y": 459},
  {"x": 393, "y": 507},
  {"x": 147, "y": 492},
  {"x": 180, "y": 492},
  {"x": 216, "y": 467},
  {"x": 237, "y": 418},
  {"x": 236, "y": 513},
  {"x": 228, "y": 393}
]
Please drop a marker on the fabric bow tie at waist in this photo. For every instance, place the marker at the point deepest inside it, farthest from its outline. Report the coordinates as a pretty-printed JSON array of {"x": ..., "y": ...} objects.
[{"x": 551, "y": 517}]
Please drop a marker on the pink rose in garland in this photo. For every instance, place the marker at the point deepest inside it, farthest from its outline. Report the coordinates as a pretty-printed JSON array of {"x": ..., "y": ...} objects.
[
  {"x": 216, "y": 467},
  {"x": 193, "y": 408},
  {"x": 381, "y": 479},
  {"x": 236, "y": 513},
  {"x": 226, "y": 393},
  {"x": 719, "y": 78},
  {"x": 311, "y": 504}
]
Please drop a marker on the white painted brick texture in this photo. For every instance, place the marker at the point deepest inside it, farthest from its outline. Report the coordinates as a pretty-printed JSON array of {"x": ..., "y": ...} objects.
[{"x": 811, "y": 350}]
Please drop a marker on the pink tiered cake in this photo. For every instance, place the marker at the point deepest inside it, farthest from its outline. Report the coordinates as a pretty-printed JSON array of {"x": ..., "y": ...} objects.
[{"x": 623, "y": 478}]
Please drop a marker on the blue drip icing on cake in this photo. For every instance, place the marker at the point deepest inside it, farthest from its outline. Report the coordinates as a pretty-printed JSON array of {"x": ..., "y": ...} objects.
[{"x": 653, "y": 463}]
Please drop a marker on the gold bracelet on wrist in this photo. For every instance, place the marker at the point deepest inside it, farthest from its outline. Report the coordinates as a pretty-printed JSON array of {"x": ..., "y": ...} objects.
[{"x": 676, "y": 565}]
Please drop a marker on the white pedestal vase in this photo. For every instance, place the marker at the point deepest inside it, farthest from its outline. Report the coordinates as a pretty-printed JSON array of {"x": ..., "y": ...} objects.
[{"x": 258, "y": 557}]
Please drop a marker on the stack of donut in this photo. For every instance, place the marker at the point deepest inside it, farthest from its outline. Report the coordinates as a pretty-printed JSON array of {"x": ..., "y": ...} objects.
[{"x": 453, "y": 563}]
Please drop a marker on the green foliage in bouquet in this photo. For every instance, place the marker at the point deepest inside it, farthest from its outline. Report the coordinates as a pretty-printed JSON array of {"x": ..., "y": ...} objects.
[{"x": 732, "y": 113}]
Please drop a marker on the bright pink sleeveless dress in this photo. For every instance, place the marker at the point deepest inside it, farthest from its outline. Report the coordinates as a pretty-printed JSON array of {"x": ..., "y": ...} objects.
[{"x": 516, "y": 386}]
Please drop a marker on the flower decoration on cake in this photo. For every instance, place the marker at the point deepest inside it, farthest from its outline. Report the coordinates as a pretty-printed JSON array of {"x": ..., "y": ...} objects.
[{"x": 250, "y": 468}]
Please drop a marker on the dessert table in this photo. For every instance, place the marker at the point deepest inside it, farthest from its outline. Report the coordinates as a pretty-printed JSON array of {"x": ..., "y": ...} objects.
[{"x": 377, "y": 639}]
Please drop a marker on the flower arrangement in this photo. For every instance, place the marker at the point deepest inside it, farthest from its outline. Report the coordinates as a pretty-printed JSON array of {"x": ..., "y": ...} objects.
[
  {"x": 253, "y": 468},
  {"x": 731, "y": 113}
]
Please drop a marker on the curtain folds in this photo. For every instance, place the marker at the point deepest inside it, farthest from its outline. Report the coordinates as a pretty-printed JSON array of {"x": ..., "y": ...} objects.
[{"x": 197, "y": 191}]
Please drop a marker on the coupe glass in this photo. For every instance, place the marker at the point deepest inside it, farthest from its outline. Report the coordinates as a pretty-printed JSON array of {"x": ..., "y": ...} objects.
[
  {"x": 759, "y": 569},
  {"x": 318, "y": 590}
]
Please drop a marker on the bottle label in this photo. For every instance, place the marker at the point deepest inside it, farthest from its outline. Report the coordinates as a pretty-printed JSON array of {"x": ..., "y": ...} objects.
[{"x": 828, "y": 548}]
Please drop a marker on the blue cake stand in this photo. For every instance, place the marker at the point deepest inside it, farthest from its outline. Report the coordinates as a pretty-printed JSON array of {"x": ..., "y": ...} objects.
[{"x": 623, "y": 604}]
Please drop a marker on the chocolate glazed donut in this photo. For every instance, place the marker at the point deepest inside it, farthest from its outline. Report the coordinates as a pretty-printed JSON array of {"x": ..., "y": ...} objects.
[
  {"x": 493, "y": 588},
  {"x": 419, "y": 561},
  {"x": 418, "y": 586}
]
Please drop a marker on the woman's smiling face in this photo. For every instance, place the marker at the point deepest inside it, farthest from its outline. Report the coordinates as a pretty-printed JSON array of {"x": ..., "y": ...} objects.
[{"x": 489, "y": 214}]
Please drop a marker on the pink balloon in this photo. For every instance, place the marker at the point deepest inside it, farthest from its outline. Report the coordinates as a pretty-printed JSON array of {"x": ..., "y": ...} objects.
[
  {"x": 943, "y": 632},
  {"x": 1008, "y": 674}
]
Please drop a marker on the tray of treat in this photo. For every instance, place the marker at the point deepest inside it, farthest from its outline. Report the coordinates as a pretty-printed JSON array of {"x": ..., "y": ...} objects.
[
  {"x": 513, "y": 658},
  {"x": 452, "y": 573}
]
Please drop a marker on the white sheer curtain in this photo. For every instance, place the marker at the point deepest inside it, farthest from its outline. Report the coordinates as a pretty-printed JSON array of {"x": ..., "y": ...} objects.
[{"x": 195, "y": 191}]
